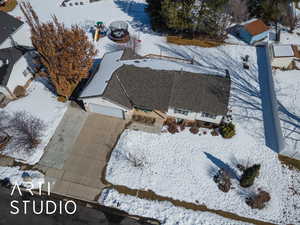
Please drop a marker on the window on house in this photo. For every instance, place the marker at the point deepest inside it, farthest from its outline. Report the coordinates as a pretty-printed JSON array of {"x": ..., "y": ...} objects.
[
  {"x": 204, "y": 114},
  {"x": 181, "y": 111}
]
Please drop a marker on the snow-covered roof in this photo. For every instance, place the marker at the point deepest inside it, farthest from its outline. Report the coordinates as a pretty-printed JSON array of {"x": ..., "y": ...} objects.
[
  {"x": 112, "y": 61},
  {"x": 97, "y": 85},
  {"x": 283, "y": 51}
]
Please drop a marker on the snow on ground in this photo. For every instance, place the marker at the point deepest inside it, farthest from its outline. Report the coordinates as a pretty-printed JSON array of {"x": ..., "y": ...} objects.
[
  {"x": 288, "y": 94},
  {"x": 163, "y": 211},
  {"x": 15, "y": 176},
  {"x": 177, "y": 165},
  {"x": 39, "y": 102},
  {"x": 181, "y": 165}
]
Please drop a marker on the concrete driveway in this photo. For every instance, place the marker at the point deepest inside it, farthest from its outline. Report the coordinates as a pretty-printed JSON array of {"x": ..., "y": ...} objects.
[{"x": 79, "y": 176}]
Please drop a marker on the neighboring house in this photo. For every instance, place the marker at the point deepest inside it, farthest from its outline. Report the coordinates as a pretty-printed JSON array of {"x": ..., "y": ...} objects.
[
  {"x": 8, "y": 26},
  {"x": 283, "y": 56},
  {"x": 126, "y": 82},
  {"x": 252, "y": 31},
  {"x": 13, "y": 62}
]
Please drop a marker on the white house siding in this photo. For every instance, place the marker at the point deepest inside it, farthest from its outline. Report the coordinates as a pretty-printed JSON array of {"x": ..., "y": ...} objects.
[
  {"x": 19, "y": 74},
  {"x": 194, "y": 116},
  {"x": 282, "y": 62},
  {"x": 4, "y": 91},
  {"x": 105, "y": 104}
]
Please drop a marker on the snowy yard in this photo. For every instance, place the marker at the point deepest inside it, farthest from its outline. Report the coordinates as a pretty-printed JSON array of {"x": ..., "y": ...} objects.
[
  {"x": 41, "y": 103},
  {"x": 15, "y": 176},
  {"x": 182, "y": 166},
  {"x": 162, "y": 210},
  {"x": 288, "y": 94}
]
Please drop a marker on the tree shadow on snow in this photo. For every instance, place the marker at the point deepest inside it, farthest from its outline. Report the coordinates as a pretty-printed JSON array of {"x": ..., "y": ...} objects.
[
  {"x": 246, "y": 90},
  {"x": 219, "y": 163},
  {"x": 140, "y": 19}
]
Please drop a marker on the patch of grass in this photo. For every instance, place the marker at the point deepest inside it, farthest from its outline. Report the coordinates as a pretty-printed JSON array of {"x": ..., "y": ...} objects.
[
  {"x": 196, "y": 42},
  {"x": 9, "y": 6},
  {"x": 291, "y": 163}
]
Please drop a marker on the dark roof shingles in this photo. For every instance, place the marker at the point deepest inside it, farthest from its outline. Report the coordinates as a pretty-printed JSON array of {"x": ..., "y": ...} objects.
[
  {"x": 161, "y": 89},
  {"x": 8, "y": 25},
  {"x": 13, "y": 55}
]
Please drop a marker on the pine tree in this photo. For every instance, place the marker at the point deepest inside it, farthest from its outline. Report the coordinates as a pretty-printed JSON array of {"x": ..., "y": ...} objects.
[
  {"x": 66, "y": 53},
  {"x": 249, "y": 175}
]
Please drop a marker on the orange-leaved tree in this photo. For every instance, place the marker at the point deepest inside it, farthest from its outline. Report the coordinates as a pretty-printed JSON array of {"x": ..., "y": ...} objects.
[{"x": 66, "y": 53}]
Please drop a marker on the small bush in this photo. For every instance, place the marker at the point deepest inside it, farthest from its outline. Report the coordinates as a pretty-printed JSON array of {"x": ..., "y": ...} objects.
[
  {"x": 173, "y": 128},
  {"x": 227, "y": 130},
  {"x": 19, "y": 91},
  {"x": 222, "y": 178},
  {"x": 136, "y": 160},
  {"x": 4, "y": 139},
  {"x": 249, "y": 175},
  {"x": 194, "y": 130},
  {"x": 28, "y": 130},
  {"x": 259, "y": 200},
  {"x": 214, "y": 133}
]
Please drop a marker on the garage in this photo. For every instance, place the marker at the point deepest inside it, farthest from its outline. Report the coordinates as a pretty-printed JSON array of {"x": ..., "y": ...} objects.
[{"x": 105, "y": 110}]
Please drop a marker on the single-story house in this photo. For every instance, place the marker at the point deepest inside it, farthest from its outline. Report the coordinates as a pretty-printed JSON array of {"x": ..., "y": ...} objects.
[
  {"x": 252, "y": 31},
  {"x": 126, "y": 82},
  {"x": 8, "y": 26},
  {"x": 13, "y": 62},
  {"x": 284, "y": 55}
]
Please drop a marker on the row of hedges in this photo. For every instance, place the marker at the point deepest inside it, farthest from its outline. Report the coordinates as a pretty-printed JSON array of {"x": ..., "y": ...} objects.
[{"x": 201, "y": 43}]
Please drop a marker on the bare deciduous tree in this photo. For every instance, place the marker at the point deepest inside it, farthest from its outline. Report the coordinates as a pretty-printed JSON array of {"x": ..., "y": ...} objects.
[
  {"x": 4, "y": 119},
  {"x": 28, "y": 130},
  {"x": 238, "y": 10},
  {"x": 65, "y": 52},
  {"x": 137, "y": 160},
  {"x": 290, "y": 18}
]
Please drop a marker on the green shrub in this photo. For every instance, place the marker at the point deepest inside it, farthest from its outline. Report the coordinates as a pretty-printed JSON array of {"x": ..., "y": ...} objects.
[
  {"x": 227, "y": 130},
  {"x": 249, "y": 175}
]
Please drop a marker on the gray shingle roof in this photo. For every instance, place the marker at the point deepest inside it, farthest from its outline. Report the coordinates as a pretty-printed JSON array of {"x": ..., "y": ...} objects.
[
  {"x": 13, "y": 55},
  {"x": 160, "y": 89},
  {"x": 8, "y": 25}
]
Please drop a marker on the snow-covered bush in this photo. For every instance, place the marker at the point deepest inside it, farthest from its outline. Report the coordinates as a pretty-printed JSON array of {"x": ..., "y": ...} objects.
[
  {"x": 27, "y": 130},
  {"x": 222, "y": 178},
  {"x": 137, "y": 160}
]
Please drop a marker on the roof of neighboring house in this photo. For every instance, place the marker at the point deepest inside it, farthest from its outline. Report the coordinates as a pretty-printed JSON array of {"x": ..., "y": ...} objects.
[
  {"x": 255, "y": 26},
  {"x": 12, "y": 55},
  {"x": 8, "y": 25},
  {"x": 283, "y": 51},
  {"x": 160, "y": 89}
]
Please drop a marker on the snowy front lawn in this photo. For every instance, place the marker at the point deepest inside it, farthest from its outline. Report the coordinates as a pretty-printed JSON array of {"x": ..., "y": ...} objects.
[
  {"x": 163, "y": 211},
  {"x": 15, "y": 177},
  {"x": 181, "y": 166},
  {"x": 288, "y": 95},
  {"x": 41, "y": 103}
]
